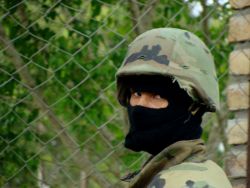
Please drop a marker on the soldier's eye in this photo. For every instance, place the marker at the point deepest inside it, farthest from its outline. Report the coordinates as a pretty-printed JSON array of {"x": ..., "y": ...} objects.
[
  {"x": 137, "y": 94},
  {"x": 157, "y": 97}
]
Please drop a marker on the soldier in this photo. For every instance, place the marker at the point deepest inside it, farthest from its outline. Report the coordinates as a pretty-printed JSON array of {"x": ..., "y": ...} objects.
[{"x": 167, "y": 82}]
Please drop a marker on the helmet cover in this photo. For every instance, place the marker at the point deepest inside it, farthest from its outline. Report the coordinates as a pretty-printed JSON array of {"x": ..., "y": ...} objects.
[{"x": 178, "y": 54}]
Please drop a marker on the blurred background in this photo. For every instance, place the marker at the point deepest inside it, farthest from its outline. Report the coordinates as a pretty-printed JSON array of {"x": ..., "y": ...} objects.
[{"x": 60, "y": 122}]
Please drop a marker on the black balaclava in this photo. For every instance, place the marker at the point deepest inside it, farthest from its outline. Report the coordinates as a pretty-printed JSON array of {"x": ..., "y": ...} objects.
[{"x": 152, "y": 130}]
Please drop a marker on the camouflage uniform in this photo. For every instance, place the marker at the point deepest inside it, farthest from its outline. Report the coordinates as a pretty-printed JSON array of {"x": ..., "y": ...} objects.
[{"x": 186, "y": 59}]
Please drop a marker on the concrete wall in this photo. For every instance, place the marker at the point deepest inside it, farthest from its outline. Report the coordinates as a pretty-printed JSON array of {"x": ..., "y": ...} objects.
[{"x": 238, "y": 92}]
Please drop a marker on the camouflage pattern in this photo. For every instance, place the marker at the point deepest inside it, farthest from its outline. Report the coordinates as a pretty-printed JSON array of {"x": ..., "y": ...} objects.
[
  {"x": 181, "y": 165},
  {"x": 176, "y": 53}
]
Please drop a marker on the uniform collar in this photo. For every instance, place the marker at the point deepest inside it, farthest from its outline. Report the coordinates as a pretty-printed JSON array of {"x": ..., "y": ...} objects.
[{"x": 188, "y": 150}]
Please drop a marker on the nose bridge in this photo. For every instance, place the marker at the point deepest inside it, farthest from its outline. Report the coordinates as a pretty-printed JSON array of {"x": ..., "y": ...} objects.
[{"x": 143, "y": 100}]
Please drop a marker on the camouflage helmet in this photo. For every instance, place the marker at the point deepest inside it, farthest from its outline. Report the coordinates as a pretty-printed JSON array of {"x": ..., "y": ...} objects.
[{"x": 178, "y": 54}]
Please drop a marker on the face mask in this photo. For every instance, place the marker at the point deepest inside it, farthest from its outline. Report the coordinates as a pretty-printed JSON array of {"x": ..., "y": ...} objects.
[{"x": 152, "y": 130}]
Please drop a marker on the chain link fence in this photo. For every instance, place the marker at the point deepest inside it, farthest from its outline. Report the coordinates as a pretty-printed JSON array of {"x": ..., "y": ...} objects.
[{"x": 61, "y": 125}]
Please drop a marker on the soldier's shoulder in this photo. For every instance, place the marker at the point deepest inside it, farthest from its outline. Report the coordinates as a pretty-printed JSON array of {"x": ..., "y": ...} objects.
[{"x": 188, "y": 174}]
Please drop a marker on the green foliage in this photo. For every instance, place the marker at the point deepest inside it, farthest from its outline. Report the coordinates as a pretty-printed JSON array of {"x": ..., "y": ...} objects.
[{"x": 72, "y": 50}]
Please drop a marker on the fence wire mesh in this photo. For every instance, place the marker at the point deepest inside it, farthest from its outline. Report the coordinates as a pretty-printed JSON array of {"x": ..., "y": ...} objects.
[{"x": 61, "y": 125}]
